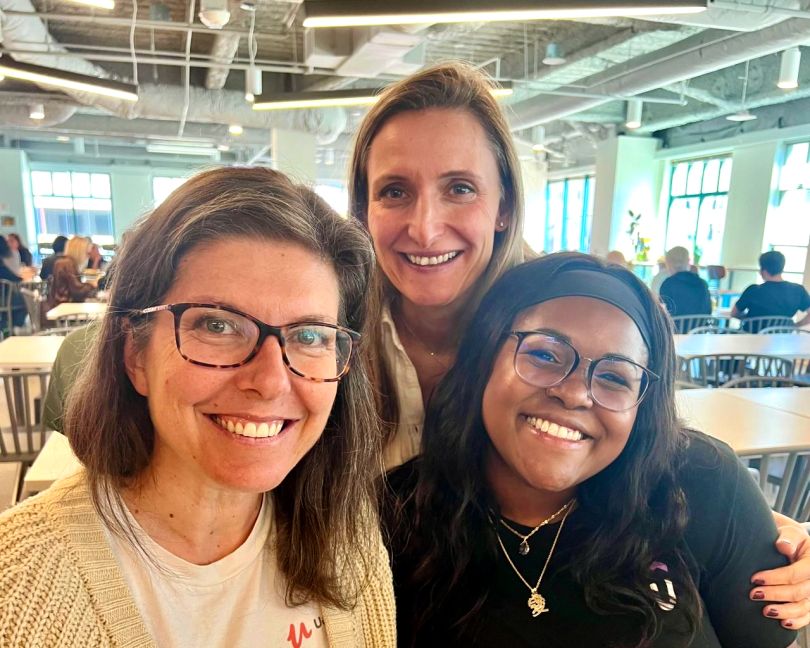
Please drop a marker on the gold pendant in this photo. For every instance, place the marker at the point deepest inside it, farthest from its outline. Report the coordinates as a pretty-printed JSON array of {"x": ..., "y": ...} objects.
[{"x": 537, "y": 604}]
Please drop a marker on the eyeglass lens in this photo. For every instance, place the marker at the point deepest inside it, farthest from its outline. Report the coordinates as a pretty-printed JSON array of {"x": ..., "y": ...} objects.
[
  {"x": 544, "y": 360},
  {"x": 221, "y": 338}
]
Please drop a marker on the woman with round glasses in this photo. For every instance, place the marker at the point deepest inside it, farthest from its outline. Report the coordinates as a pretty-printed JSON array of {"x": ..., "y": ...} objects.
[
  {"x": 558, "y": 501},
  {"x": 228, "y": 441}
]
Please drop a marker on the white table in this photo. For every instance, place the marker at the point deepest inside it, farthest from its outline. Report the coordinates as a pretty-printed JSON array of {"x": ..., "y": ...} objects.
[
  {"x": 91, "y": 310},
  {"x": 54, "y": 461},
  {"x": 750, "y": 423},
  {"x": 29, "y": 351},
  {"x": 789, "y": 345}
]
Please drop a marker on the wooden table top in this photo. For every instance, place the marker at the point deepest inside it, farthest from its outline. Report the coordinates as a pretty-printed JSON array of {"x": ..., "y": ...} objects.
[
  {"x": 749, "y": 425},
  {"x": 788, "y": 345},
  {"x": 29, "y": 351},
  {"x": 54, "y": 461},
  {"x": 90, "y": 309}
]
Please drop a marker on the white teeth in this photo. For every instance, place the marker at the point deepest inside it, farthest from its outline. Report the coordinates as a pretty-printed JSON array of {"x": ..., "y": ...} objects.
[
  {"x": 554, "y": 429},
  {"x": 433, "y": 260},
  {"x": 251, "y": 429}
]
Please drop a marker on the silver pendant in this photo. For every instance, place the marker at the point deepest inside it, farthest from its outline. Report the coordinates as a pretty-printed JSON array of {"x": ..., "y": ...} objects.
[{"x": 523, "y": 549}]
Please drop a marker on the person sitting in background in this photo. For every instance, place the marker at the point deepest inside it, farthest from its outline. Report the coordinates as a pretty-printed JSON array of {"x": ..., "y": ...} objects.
[
  {"x": 18, "y": 312},
  {"x": 616, "y": 257},
  {"x": 776, "y": 296},
  {"x": 661, "y": 277},
  {"x": 66, "y": 283},
  {"x": 47, "y": 263},
  {"x": 94, "y": 261},
  {"x": 15, "y": 243},
  {"x": 684, "y": 292}
]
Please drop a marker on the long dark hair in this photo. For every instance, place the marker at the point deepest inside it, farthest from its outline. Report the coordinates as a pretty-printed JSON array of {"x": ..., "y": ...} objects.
[
  {"x": 325, "y": 507},
  {"x": 626, "y": 526}
]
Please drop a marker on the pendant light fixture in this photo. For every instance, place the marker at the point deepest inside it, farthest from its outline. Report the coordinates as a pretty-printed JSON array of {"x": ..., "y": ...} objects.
[
  {"x": 743, "y": 114},
  {"x": 789, "y": 70},
  {"x": 634, "y": 110}
]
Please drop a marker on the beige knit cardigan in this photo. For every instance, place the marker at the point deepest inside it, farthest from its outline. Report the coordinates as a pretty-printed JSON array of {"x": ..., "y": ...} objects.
[{"x": 61, "y": 587}]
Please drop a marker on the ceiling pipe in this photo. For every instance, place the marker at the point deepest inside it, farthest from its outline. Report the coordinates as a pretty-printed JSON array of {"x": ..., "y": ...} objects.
[
  {"x": 696, "y": 62},
  {"x": 223, "y": 52}
]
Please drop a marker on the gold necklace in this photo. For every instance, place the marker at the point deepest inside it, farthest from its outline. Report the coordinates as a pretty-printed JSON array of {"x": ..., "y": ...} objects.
[
  {"x": 536, "y": 602},
  {"x": 524, "y": 548},
  {"x": 418, "y": 340}
]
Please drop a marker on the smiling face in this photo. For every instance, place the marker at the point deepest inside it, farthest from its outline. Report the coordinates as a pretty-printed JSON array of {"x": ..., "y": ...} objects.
[
  {"x": 434, "y": 201},
  {"x": 581, "y": 438},
  {"x": 242, "y": 428}
]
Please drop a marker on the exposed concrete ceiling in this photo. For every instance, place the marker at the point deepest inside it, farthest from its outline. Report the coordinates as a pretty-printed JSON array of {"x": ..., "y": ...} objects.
[{"x": 192, "y": 78}]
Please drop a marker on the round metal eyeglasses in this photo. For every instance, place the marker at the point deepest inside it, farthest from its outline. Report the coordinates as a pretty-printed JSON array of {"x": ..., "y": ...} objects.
[
  {"x": 614, "y": 382},
  {"x": 222, "y": 337}
]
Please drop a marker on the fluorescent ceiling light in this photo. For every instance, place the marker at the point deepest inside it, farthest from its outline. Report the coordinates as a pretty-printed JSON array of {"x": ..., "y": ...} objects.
[
  {"x": 171, "y": 149},
  {"x": 742, "y": 116},
  {"x": 63, "y": 80},
  {"x": 98, "y": 4},
  {"x": 789, "y": 70},
  {"x": 62, "y": 138},
  {"x": 634, "y": 109},
  {"x": 351, "y": 13},
  {"x": 333, "y": 98}
]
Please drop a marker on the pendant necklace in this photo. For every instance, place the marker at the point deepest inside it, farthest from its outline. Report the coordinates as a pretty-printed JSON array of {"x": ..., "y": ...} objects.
[
  {"x": 523, "y": 548},
  {"x": 433, "y": 354},
  {"x": 536, "y": 602}
]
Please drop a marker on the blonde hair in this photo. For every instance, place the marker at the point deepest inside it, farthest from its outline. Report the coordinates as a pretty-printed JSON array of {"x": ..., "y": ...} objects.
[
  {"x": 452, "y": 86},
  {"x": 77, "y": 248}
]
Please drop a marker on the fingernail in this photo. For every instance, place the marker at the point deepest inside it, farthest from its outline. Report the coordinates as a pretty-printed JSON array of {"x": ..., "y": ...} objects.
[
  {"x": 758, "y": 596},
  {"x": 788, "y": 623},
  {"x": 784, "y": 541},
  {"x": 758, "y": 582},
  {"x": 772, "y": 613}
]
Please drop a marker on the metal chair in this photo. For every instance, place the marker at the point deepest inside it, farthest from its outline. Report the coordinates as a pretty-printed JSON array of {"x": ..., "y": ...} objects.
[
  {"x": 756, "y": 324},
  {"x": 33, "y": 304},
  {"x": 717, "y": 369},
  {"x": 779, "y": 330},
  {"x": 685, "y": 323},
  {"x": 26, "y": 434},
  {"x": 792, "y": 482},
  {"x": 7, "y": 289},
  {"x": 764, "y": 381},
  {"x": 73, "y": 321},
  {"x": 715, "y": 330}
]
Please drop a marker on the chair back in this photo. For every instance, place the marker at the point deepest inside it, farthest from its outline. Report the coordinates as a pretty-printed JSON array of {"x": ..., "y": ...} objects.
[
  {"x": 56, "y": 330},
  {"x": 780, "y": 330},
  {"x": 764, "y": 381},
  {"x": 33, "y": 304},
  {"x": 7, "y": 289},
  {"x": 717, "y": 369},
  {"x": 74, "y": 321},
  {"x": 756, "y": 324},
  {"x": 24, "y": 436},
  {"x": 685, "y": 323},
  {"x": 716, "y": 330},
  {"x": 790, "y": 474}
]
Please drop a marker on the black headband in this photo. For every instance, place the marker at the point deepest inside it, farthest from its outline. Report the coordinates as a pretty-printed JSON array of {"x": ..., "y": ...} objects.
[{"x": 597, "y": 284}]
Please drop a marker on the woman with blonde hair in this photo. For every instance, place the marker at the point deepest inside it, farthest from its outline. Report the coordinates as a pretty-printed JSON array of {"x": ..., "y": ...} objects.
[
  {"x": 66, "y": 283},
  {"x": 228, "y": 440},
  {"x": 435, "y": 178}
]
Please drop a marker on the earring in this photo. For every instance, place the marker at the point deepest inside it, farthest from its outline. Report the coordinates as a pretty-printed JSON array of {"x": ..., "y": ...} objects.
[{"x": 502, "y": 225}]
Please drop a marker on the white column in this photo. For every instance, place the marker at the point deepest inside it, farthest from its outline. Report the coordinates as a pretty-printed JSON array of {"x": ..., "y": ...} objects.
[
  {"x": 293, "y": 153},
  {"x": 628, "y": 178},
  {"x": 15, "y": 195}
]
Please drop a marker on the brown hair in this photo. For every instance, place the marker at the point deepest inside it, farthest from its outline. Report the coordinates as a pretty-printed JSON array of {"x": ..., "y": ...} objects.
[
  {"x": 324, "y": 509},
  {"x": 452, "y": 86}
]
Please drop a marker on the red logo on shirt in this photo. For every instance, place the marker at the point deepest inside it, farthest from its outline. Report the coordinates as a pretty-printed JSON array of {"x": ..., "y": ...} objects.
[{"x": 297, "y": 640}]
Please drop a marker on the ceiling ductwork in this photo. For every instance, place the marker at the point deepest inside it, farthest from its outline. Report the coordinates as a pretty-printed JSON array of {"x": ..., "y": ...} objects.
[
  {"x": 155, "y": 101},
  {"x": 223, "y": 51},
  {"x": 18, "y": 114},
  {"x": 734, "y": 16},
  {"x": 694, "y": 57}
]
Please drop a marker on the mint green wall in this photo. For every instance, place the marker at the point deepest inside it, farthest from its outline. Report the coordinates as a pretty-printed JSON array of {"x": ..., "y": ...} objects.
[{"x": 15, "y": 195}]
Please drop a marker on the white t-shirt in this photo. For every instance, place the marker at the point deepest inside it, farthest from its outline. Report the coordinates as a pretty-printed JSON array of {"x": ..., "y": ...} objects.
[{"x": 236, "y": 602}]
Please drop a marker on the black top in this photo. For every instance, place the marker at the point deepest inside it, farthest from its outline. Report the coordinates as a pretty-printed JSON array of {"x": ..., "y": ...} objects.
[
  {"x": 730, "y": 536},
  {"x": 779, "y": 298},
  {"x": 684, "y": 293},
  {"x": 47, "y": 266}
]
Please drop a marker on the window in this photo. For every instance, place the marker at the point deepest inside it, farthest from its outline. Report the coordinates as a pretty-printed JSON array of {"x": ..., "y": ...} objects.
[
  {"x": 698, "y": 198},
  {"x": 162, "y": 186},
  {"x": 568, "y": 216},
  {"x": 787, "y": 227},
  {"x": 71, "y": 203}
]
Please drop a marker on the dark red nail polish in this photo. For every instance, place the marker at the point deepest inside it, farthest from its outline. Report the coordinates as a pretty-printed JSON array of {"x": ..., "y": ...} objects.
[
  {"x": 788, "y": 623},
  {"x": 757, "y": 581},
  {"x": 773, "y": 613},
  {"x": 758, "y": 596}
]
